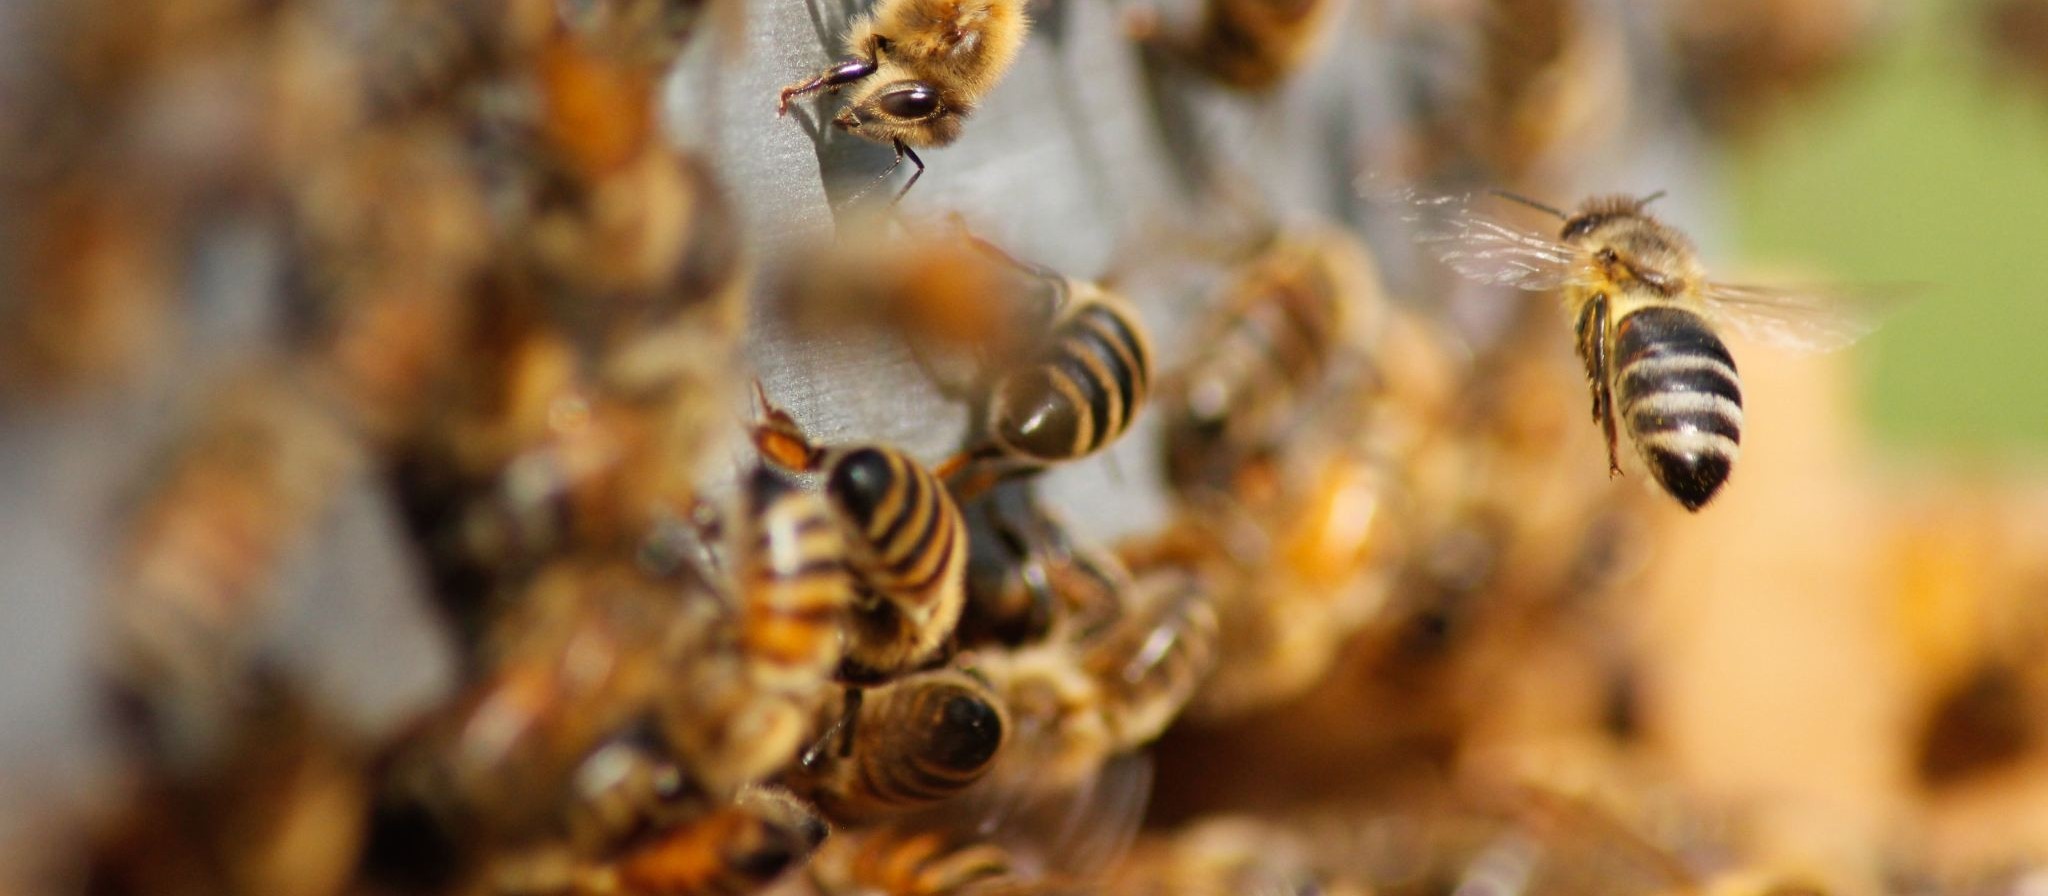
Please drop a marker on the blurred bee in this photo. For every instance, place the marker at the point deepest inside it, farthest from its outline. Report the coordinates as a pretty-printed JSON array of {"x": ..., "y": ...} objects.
[
  {"x": 740, "y": 847},
  {"x": 280, "y": 809},
  {"x": 1645, "y": 315},
  {"x": 1089, "y": 695},
  {"x": 1738, "y": 63},
  {"x": 795, "y": 586},
  {"x": 207, "y": 548},
  {"x": 576, "y": 661},
  {"x": 1221, "y": 856},
  {"x": 1249, "y": 45},
  {"x": 918, "y": 68},
  {"x": 1279, "y": 337},
  {"x": 920, "y": 739},
  {"x": 901, "y": 860},
  {"x": 906, "y": 544}
]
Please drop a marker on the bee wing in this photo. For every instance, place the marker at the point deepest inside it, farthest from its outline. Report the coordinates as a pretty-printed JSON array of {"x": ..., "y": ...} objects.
[
  {"x": 1483, "y": 248},
  {"x": 1801, "y": 319}
]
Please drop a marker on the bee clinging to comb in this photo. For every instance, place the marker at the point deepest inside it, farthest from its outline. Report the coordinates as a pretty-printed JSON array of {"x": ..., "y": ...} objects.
[
  {"x": 1646, "y": 318},
  {"x": 918, "y": 68}
]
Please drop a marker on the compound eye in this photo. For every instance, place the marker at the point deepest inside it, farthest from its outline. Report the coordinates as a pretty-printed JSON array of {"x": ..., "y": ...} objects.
[{"x": 916, "y": 101}]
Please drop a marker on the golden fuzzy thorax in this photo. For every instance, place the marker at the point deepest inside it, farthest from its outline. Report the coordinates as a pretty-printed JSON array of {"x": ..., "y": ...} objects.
[{"x": 960, "y": 48}]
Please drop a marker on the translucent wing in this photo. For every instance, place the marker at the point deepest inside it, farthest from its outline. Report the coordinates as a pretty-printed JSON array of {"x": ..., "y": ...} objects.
[
  {"x": 1481, "y": 248},
  {"x": 1800, "y": 319}
]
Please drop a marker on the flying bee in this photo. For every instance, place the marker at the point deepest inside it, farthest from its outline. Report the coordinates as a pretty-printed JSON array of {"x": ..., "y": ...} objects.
[
  {"x": 920, "y": 739},
  {"x": 905, "y": 540},
  {"x": 1645, "y": 317},
  {"x": 918, "y": 67}
]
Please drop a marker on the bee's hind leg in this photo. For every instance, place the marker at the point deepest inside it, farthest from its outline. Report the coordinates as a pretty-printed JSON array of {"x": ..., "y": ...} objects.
[{"x": 1593, "y": 326}]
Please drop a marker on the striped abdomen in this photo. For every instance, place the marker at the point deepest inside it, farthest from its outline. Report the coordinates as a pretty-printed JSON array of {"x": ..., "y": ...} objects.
[
  {"x": 916, "y": 741},
  {"x": 734, "y": 850},
  {"x": 908, "y": 549},
  {"x": 795, "y": 583},
  {"x": 1082, "y": 392},
  {"x": 1676, "y": 391}
]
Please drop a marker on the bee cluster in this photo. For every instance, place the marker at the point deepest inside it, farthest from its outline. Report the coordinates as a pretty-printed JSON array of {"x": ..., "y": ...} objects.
[{"x": 698, "y": 535}]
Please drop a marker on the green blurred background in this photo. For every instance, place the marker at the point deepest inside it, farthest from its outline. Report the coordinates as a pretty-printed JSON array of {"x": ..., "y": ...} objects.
[{"x": 1922, "y": 165}]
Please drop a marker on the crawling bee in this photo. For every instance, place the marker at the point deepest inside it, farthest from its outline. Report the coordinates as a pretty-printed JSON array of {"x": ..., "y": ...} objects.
[
  {"x": 1064, "y": 395},
  {"x": 1087, "y": 696},
  {"x": 1026, "y": 577},
  {"x": 919, "y": 67},
  {"x": 1645, "y": 316},
  {"x": 920, "y": 739},
  {"x": 906, "y": 545}
]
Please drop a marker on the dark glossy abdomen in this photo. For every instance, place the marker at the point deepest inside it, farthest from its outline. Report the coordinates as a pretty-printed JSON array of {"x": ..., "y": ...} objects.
[{"x": 1676, "y": 391}]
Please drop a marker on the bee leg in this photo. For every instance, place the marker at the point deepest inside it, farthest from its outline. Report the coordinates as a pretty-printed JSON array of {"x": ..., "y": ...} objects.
[
  {"x": 1593, "y": 326},
  {"x": 901, "y": 151},
  {"x": 844, "y": 72}
]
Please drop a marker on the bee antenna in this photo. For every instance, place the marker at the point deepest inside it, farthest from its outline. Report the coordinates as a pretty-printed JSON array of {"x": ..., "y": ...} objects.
[
  {"x": 1653, "y": 197},
  {"x": 1517, "y": 197}
]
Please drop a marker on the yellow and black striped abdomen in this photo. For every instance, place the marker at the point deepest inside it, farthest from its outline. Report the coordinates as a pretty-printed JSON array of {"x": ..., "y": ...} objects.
[
  {"x": 795, "y": 583},
  {"x": 917, "y": 741},
  {"x": 1081, "y": 393},
  {"x": 1676, "y": 391},
  {"x": 907, "y": 545},
  {"x": 907, "y": 540}
]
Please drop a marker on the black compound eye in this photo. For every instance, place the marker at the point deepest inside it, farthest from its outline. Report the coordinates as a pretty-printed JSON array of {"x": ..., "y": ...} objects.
[{"x": 917, "y": 101}]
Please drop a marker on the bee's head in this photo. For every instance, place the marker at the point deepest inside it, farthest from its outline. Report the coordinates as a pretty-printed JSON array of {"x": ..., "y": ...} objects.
[
  {"x": 1601, "y": 213},
  {"x": 913, "y": 111}
]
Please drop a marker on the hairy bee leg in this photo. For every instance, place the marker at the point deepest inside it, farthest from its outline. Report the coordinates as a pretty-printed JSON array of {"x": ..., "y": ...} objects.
[
  {"x": 844, "y": 72},
  {"x": 1602, "y": 383}
]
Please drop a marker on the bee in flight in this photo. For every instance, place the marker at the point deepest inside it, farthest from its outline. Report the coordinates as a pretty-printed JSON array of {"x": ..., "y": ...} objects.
[{"x": 1646, "y": 316}]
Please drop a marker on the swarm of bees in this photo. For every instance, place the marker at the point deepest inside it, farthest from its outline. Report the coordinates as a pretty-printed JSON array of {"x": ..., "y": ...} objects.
[{"x": 703, "y": 636}]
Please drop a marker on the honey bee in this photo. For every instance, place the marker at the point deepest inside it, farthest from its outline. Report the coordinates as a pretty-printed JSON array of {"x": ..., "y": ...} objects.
[
  {"x": 1025, "y": 576},
  {"x": 740, "y": 847},
  {"x": 207, "y": 549},
  {"x": 280, "y": 809},
  {"x": 1065, "y": 395},
  {"x": 1252, "y": 45},
  {"x": 1645, "y": 315},
  {"x": 920, "y": 739},
  {"x": 1279, "y": 337},
  {"x": 568, "y": 667},
  {"x": 906, "y": 544},
  {"x": 918, "y": 68},
  {"x": 795, "y": 585},
  {"x": 1089, "y": 695},
  {"x": 911, "y": 861}
]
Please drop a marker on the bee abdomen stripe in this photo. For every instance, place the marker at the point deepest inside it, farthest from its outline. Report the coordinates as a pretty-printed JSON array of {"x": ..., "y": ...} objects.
[
  {"x": 1120, "y": 367},
  {"x": 1081, "y": 365},
  {"x": 1647, "y": 421},
  {"x": 1682, "y": 441},
  {"x": 906, "y": 500},
  {"x": 1681, "y": 407},
  {"x": 1663, "y": 330}
]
